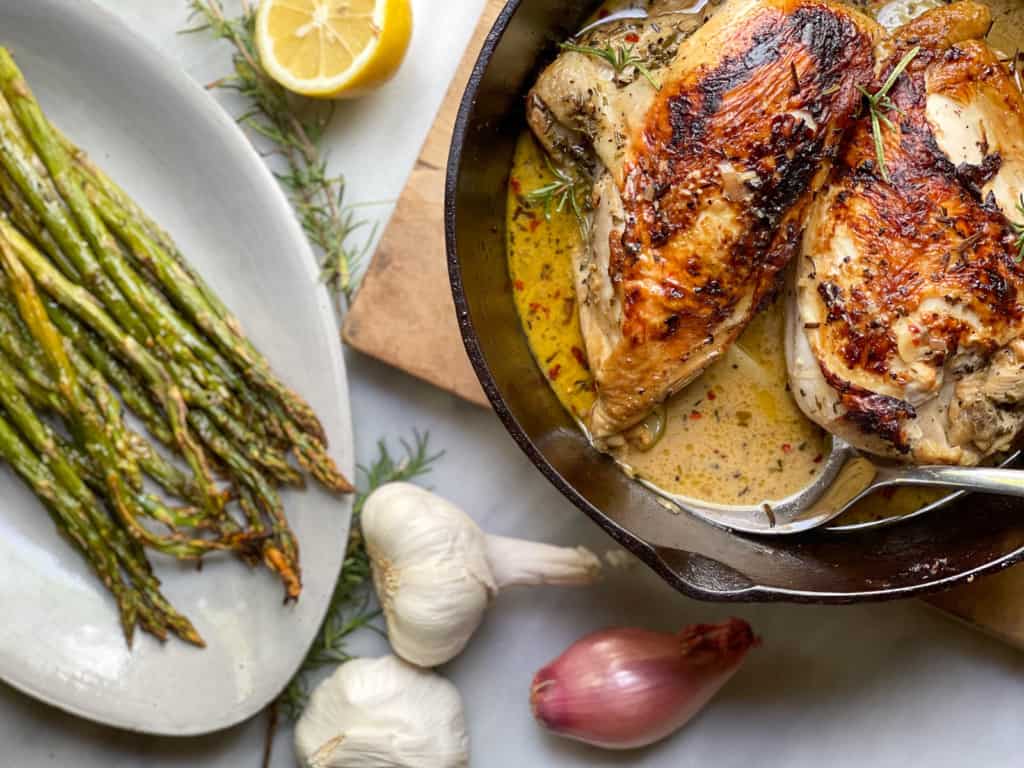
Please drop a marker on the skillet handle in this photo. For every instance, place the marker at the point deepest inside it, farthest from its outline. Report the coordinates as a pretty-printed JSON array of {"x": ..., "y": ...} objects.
[{"x": 701, "y": 577}]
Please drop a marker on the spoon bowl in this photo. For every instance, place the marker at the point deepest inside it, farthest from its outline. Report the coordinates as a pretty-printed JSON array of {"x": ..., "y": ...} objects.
[{"x": 846, "y": 478}]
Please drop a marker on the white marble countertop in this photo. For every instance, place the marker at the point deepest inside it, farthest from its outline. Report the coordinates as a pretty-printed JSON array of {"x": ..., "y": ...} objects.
[{"x": 880, "y": 685}]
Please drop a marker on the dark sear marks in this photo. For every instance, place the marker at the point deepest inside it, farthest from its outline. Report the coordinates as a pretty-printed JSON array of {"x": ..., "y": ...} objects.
[
  {"x": 700, "y": 183},
  {"x": 767, "y": 118},
  {"x": 873, "y": 413},
  {"x": 927, "y": 233},
  {"x": 916, "y": 279}
]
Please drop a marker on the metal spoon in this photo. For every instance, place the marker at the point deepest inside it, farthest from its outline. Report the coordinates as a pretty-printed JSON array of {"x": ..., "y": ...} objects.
[
  {"x": 638, "y": 13},
  {"x": 847, "y": 477},
  {"x": 621, "y": 15}
]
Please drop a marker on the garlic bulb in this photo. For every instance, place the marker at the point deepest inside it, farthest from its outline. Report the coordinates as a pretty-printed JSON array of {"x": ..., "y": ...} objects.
[
  {"x": 436, "y": 571},
  {"x": 383, "y": 713}
]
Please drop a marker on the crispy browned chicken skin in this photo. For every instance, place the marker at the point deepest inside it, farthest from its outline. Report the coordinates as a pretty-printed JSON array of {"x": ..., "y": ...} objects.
[
  {"x": 907, "y": 320},
  {"x": 700, "y": 187}
]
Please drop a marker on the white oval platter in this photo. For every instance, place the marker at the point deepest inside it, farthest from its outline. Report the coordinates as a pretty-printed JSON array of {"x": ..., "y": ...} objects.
[{"x": 184, "y": 159}]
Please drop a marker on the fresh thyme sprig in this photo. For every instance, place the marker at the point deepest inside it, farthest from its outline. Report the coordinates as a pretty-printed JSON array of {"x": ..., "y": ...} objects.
[
  {"x": 294, "y": 126},
  {"x": 562, "y": 192},
  {"x": 351, "y": 606},
  {"x": 879, "y": 105},
  {"x": 1017, "y": 227},
  {"x": 618, "y": 58}
]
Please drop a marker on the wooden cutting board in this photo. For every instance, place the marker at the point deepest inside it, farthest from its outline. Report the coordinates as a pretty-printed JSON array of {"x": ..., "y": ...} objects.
[{"x": 408, "y": 279}]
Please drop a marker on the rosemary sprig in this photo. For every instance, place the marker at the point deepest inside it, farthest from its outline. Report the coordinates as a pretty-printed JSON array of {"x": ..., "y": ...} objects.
[
  {"x": 294, "y": 127},
  {"x": 619, "y": 58},
  {"x": 1017, "y": 227},
  {"x": 351, "y": 606},
  {"x": 879, "y": 105},
  {"x": 561, "y": 193}
]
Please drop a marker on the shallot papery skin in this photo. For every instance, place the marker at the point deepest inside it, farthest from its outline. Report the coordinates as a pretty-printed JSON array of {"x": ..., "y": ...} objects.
[{"x": 623, "y": 688}]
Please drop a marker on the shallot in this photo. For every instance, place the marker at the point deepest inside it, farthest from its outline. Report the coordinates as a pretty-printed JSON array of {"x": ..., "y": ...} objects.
[{"x": 623, "y": 688}]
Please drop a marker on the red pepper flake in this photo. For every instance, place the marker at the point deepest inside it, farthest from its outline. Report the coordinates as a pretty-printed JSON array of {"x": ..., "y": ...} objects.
[
  {"x": 519, "y": 284},
  {"x": 553, "y": 372},
  {"x": 818, "y": 458},
  {"x": 695, "y": 415},
  {"x": 536, "y": 307},
  {"x": 632, "y": 37},
  {"x": 711, "y": 394},
  {"x": 580, "y": 358},
  {"x": 534, "y": 224},
  {"x": 516, "y": 186},
  {"x": 787, "y": 448}
]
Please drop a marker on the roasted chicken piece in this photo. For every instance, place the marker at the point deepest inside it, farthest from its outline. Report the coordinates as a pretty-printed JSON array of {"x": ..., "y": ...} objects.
[
  {"x": 906, "y": 320},
  {"x": 704, "y": 156}
]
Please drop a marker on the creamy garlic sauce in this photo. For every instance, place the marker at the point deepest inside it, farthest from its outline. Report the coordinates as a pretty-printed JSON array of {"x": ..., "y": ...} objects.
[{"x": 735, "y": 435}]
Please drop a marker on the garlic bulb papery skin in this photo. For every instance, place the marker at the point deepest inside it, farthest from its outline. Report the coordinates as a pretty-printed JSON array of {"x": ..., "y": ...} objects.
[
  {"x": 435, "y": 571},
  {"x": 383, "y": 713},
  {"x": 430, "y": 569},
  {"x": 515, "y": 562}
]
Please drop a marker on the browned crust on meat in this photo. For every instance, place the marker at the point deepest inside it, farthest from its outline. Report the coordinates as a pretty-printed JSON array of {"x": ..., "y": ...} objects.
[
  {"x": 792, "y": 59},
  {"x": 872, "y": 413},
  {"x": 740, "y": 112},
  {"x": 927, "y": 234},
  {"x": 942, "y": 27}
]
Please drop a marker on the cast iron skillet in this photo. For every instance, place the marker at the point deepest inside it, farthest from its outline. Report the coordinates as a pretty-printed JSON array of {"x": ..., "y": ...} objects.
[{"x": 976, "y": 536}]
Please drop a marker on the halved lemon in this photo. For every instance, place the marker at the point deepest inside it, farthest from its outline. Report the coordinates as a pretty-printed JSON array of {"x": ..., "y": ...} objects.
[{"x": 333, "y": 48}]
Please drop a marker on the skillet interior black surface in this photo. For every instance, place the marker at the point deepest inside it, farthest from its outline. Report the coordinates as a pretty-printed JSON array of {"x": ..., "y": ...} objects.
[{"x": 978, "y": 535}]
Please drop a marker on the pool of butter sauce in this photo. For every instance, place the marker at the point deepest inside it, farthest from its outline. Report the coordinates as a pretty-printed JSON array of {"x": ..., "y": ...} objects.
[{"x": 734, "y": 435}]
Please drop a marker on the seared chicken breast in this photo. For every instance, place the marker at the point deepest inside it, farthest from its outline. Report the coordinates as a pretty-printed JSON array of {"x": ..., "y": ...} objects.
[
  {"x": 704, "y": 159},
  {"x": 906, "y": 316}
]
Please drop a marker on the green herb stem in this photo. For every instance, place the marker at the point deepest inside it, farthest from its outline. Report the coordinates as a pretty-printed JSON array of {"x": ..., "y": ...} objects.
[
  {"x": 562, "y": 192},
  {"x": 351, "y": 607},
  {"x": 1017, "y": 227},
  {"x": 619, "y": 58},
  {"x": 879, "y": 105},
  {"x": 294, "y": 126}
]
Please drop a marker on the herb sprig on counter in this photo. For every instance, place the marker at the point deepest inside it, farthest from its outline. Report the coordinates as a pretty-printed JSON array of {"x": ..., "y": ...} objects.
[
  {"x": 562, "y": 192},
  {"x": 351, "y": 607},
  {"x": 879, "y": 105},
  {"x": 294, "y": 126},
  {"x": 619, "y": 58}
]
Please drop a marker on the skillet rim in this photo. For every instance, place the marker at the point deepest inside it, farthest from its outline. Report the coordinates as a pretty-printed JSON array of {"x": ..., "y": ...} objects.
[{"x": 650, "y": 555}]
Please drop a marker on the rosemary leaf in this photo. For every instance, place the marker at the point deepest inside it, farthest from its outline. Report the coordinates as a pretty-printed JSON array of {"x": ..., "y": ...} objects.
[
  {"x": 897, "y": 71},
  {"x": 876, "y": 132},
  {"x": 1017, "y": 227},
  {"x": 619, "y": 58},
  {"x": 879, "y": 104},
  {"x": 561, "y": 193},
  {"x": 294, "y": 126}
]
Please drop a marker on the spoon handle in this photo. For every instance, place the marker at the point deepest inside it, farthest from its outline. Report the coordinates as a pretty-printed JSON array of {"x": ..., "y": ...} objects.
[{"x": 1005, "y": 482}]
